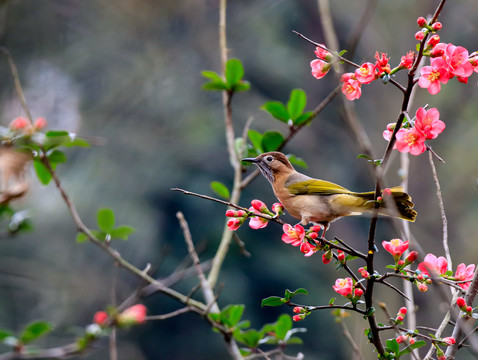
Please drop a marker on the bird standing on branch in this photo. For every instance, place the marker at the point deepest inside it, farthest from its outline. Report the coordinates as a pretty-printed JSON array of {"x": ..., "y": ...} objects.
[{"x": 321, "y": 202}]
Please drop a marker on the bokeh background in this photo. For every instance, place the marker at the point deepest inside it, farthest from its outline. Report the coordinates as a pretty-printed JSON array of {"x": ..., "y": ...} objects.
[{"x": 126, "y": 74}]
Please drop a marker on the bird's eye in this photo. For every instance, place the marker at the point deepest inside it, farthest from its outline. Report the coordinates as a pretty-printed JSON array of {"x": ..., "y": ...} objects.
[{"x": 269, "y": 158}]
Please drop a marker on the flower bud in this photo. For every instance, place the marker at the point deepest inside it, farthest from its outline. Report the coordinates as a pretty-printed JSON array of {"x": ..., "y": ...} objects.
[
  {"x": 463, "y": 80},
  {"x": 340, "y": 256},
  {"x": 422, "y": 287},
  {"x": 364, "y": 273},
  {"x": 419, "y": 35},
  {"x": 133, "y": 315},
  {"x": 469, "y": 309},
  {"x": 411, "y": 257},
  {"x": 327, "y": 257},
  {"x": 230, "y": 213},
  {"x": 21, "y": 124},
  {"x": 100, "y": 318},
  {"x": 449, "y": 340},
  {"x": 40, "y": 123},
  {"x": 298, "y": 317},
  {"x": 437, "y": 52},
  {"x": 358, "y": 293},
  {"x": 400, "y": 339},
  {"x": 399, "y": 318},
  {"x": 315, "y": 228},
  {"x": 400, "y": 263},
  {"x": 313, "y": 235},
  {"x": 403, "y": 311},
  {"x": 421, "y": 21},
  {"x": 298, "y": 309},
  {"x": 437, "y": 26},
  {"x": 305, "y": 247},
  {"x": 258, "y": 205},
  {"x": 435, "y": 39},
  {"x": 278, "y": 208},
  {"x": 461, "y": 303},
  {"x": 240, "y": 213},
  {"x": 411, "y": 341}
]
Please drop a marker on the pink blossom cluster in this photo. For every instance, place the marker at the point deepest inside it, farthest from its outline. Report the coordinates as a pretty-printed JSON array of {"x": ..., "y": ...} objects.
[
  {"x": 396, "y": 247},
  {"x": 24, "y": 126},
  {"x": 412, "y": 136},
  {"x": 346, "y": 288},
  {"x": 438, "y": 266},
  {"x": 297, "y": 236},
  {"x": 256, "y": 222}
]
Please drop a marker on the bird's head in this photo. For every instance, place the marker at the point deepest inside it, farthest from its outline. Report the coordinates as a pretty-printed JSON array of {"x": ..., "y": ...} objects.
[{"x": 272, "y": 164}]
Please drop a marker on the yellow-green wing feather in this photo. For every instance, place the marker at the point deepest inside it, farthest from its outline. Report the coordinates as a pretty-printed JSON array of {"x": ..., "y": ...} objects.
[{"x": 315, "y": 187}]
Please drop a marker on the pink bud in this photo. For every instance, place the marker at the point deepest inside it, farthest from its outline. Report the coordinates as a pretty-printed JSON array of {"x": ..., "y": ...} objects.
[
  {"x": 437, "y": 26},
  {"x": 20, "y": 123},
  {"x": 100, "y": 318},
  {"x": 399, "y": 318},
  {"x": 313, "y": 235},
  {"x": 400, "y": 263},
  {"x": 463, "y": 80},
  {"x": 421, "y": 21},
  {"x": 469, "y": 309},
  {"x": 298, "y": 317},
  {"x": 40, "y": 123},
  {"x": 400, "y": 339},
  {"x": 437, "y": 52},
  {"x": 411, "y": 257},
  {"x": 358, "y": 293},
  {"x": 419, "y": 35},
  {"x": 315, "y": 228},
  {"x": 411, "y": 341},
  {"x": 449, "y": 340},
  {"x": 461, "y": 302},
  {"x": 422, "y": 287},
  {"x": 133, "y": 315},
  {"x": 386, "y": 192},
  {"x": 340, "y": 256},
  {"x": 298, "y": 309},
  {"x": 435, "y": 39},
  {"x": 240, "y": 213},
  {"x": 327, "y": 257},
  {"x": 258, "y": 205},
  {"x": 403, "y": 310},
  {"x": 277, "y": 208},
  {"x": 305, "y": 247},
  {"x": 230, "y": 213}
]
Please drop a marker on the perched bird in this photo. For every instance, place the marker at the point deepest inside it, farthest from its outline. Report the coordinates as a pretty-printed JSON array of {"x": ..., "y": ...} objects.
[{"x": 319, "y": 201}]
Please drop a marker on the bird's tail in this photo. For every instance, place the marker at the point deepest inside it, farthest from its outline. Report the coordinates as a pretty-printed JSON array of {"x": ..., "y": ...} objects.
[{"x": 403, "y": 208}]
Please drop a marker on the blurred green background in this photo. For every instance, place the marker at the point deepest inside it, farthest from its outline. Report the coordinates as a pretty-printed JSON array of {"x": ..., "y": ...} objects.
[{"x": 126, "y": 74}]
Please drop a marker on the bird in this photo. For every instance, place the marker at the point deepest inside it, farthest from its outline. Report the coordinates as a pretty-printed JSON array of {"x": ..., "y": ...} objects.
[{"x": 321, "y": 202}]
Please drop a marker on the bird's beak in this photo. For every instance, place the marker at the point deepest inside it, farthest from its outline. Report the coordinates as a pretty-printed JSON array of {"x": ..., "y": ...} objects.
[{"x": 252, "y": 160}]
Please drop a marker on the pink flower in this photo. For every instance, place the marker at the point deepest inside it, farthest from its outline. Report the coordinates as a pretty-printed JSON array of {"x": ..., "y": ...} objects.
[
  {"x": 320, "y": 68},
  {"x": 410, "y": 140},
  {"x": 366, "y": 73},
  {"x": 407, "y": 60},
  {"x": 257, "y": 222},
  {"x": 434, "y": 264},
  {"x": 100, "y": 318},
  {"x": 293, "y": 235},
  {"x": 382, "y": 65},
  {"x": 322, "y": 53},
  {"x": 449, "y": 340},
  {"x": 431, "y": 77},
  {"x": 456, "y": 58},
  {"x": 344, "y": 286},
  {"x": 428, "y": 122},
  {"x": 387, "y": 134},
  {"x": 463, "y": 273},
  {"x": 133, "y": 315},
  {"x": 351, "y": 89},
  {"x": 396, "y": 247}
]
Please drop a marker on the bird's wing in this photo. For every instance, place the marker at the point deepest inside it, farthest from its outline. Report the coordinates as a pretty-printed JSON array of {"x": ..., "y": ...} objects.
[{"x": 315, "y": 187}]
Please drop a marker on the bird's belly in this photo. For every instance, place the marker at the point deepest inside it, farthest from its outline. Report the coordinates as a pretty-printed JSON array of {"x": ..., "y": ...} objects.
[{"x": 309, "y": 208}]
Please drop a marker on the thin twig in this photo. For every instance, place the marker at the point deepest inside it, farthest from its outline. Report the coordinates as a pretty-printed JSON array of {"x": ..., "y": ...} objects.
[
  {"x": 351, "y": 340},
  {"x": 171, "y": 314}
]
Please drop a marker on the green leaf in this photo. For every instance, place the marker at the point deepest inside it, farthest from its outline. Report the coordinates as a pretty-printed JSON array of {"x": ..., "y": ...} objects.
[
  {"x": 234, "y": 72},
  {"x": 250, "y": 338},
  {"x": 213, "y": 85},
  {"x": 57, "y": 156},
  {"x": 392, "y": 346},
  {"x": 331, "y": 301},
  {"x": 56, "y": 133},
  {"x": 294, "y": 340},
  {"x": 294, "y": 160},
  {"x": 277, "y": 110},
  {"x": 300, "y": 291},
  {"x": 283, "y": 325},
  {"x": 273, "y": 301},
  {"x": 303, "y": 118},
  {"x": 271, "y": 140},
  {"x": 408, "y": 349},
  {"x": 81, "y": 238},
  {"x": 106, "y": 219},
  {"x": 296, "y": 104},
  {"x": 34, "y": 331},
  {"x": 212, "y": 76},
  {"x": 287, "y": 294},
  {"x": 4, "y": 334},
  {"x": 100, "y": 235},
  {"x": 42, "y": 172},
  {"x": 256, "y": 140},
  {"x": 77, "y": 142},
  {"x": 231, "y": 315},
  {"x": 122, "y": 232},
  {"x": 350, "y": 257},
  {"x": 220, "y": 189},
  {"x": 242, "y": 86}
]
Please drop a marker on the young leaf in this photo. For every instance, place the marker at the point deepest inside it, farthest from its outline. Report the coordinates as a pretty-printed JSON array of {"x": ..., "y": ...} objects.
[
  {"x": 34, "y": 331},
  {"x": 283, "y": 325},
  {"x": 303, "y": 118},
  {"x": 300, "y": 291},
  {"x": 212, "y": 76},
  {"x": 392, "y": 346},
  {"x": 42, "y": 172},
  {"x": 271, "y": 140},
  {"x": 106, "y": 220},
  {"x": 409, "y": 348},
  {"x": 234, "y": 72},
  {"x": 57, "y": 156},
  {"x": 81, "y": 238},
  {"x": 4, "y": 334},
  {"x": 220, "y": 189},
  {"x": 296, "y": 104},
  {"x": 215, "y": 86},
  {"x": 122, "y": 232},
  {"x": 277, "y": 110},
  {"x": 231, "y": 314},
  {"x": 294, "y": 160},
  {"x": 250, "y": 338},
  {"x": 256, "y": 140},
  {"x": 273, "y": 301},
  {"x": 77, "y": 142}
]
